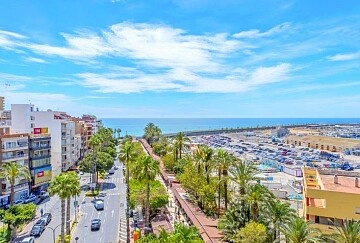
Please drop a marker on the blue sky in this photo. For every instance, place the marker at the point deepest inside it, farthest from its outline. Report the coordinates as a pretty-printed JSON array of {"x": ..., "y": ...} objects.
[{"x": 182, "y": 58}]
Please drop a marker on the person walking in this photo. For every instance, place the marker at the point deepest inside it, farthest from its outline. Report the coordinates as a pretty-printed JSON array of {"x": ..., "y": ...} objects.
[{"x": 41, "y": 211}]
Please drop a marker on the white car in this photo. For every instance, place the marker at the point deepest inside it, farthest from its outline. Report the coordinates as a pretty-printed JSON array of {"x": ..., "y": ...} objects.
[{"x": 30, "y": 239}]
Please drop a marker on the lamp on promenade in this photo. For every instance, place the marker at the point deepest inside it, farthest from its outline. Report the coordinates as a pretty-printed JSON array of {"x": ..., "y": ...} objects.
[{"x": 54, "y": 229}]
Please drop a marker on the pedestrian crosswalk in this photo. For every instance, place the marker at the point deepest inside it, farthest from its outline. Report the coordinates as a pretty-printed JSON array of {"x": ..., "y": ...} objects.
[
  {"x": 115, "y": 180},
  {"x": 123, "y": 227}
]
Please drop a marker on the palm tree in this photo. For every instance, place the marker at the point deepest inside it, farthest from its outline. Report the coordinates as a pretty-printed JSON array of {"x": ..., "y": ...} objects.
[
  {"x": 278, "y": 213},
  {"x": 95, "y": 143},
  {"x": 184, "y": 234},
  {"x": 204, "y": 155},
  {"x": 150, "y": 132},
  {"x": 126, "y": 156},
  {"x": 349, "y": 232},
  {"x": 11, "y": 172},
  {"x": 181, "y": 141},
  {"x": 146, "y": 170},
  {"x": 118, "y": 132},
  {"x": 73, "y": 189},
  {"x": 299, "y": 231},
  {"x": 242, "y": 173},
  {"x": 223, "y": 161},
  {"x": 59, "y": 185},
  {"x": 257, "y": 196}
]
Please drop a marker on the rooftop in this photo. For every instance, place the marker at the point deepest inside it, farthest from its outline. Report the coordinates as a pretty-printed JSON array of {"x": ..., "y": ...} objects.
[{"x": 345, "y": 184}]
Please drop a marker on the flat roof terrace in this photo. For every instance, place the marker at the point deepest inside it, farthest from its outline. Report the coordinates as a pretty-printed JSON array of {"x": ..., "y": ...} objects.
[{"x": 345, "y": 184}]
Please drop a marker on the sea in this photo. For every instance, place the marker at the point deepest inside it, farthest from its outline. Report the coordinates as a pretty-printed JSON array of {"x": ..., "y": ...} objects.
[{"x": 135, "y": 126}]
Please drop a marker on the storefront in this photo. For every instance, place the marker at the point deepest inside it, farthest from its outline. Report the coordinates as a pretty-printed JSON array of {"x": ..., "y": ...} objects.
[{"x": 41, "y": 178}]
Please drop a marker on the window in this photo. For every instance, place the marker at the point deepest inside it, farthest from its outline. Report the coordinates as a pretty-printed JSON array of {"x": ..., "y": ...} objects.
[{"x": 357, "y": 210}]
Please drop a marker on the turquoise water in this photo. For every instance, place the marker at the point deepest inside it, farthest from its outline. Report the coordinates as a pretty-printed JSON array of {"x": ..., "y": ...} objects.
[
  {"x": 263, "y": 167},
  {"x": 135, "y": 126}
]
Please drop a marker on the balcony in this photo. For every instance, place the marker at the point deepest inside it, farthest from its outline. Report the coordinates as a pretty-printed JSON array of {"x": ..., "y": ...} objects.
[
  {"x": 17, "y": 187},
  {"x": 40, "y": 147},
  {"x": 14, "y": 157},
  {"x": 14, "y": 147},
  {"x": 43, "y": 156}
]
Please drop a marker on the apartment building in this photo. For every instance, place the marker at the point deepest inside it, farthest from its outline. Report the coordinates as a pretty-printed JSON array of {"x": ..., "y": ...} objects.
[
  {"x": 2, "y": 103},
  {"x": 14, "y": 148},
  {"x": 62, "y": 131},
  {"x": 40, "y": 159},
  {"x": 329, "y": 199}
]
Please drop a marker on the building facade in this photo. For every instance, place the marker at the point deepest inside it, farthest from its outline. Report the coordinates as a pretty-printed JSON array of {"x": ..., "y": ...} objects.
[
  {"x": 330, "y": 199},
  {"x": 40, "y": 161},
  {"x": 14, "y": 148}
]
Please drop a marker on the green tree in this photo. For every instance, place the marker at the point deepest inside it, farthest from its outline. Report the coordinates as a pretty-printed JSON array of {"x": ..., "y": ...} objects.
[
  {"x": 127, "y": 154},
  {"x": 146, "y": 170},
  {"x": 204, "y": 156},
  {"x": 185, "y": 234},
  {"x": 62, "y": 186},
  {"x": 252, "y": 232},
  {"x": 278, "y": 214},
  {"x": 257, "y": 196},
  {"x": 73, "y": 189},
  {"x": 158, "y": 194},
  {"x": 236, "y": 217},
  {"x": 299, "y": 231},
  {"x": 181, "y": 141},
  {"x": 223, "y": 161},
  {"x": 17, "y": 215},
  {"x": 349, "y": 232},
  {"x": 118, "y": 131},
  {"x": 151, "y": 132},
  {"x": 11, "y": 172},
  {"x": 242, "y": 173}
]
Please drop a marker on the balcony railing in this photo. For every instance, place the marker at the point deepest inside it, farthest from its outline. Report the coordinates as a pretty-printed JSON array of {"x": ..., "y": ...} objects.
[
  {"x": 14, "y": 147},
  {"x": 11, "y": 157},
  {"x": 17, "y": 187},
  {"x": 39, "y": 147},
  {"x": 43, "y": 156}
]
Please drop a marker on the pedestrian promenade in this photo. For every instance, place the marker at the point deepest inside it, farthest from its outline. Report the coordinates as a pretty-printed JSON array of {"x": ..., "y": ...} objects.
[{"x": 184, "y": 210}]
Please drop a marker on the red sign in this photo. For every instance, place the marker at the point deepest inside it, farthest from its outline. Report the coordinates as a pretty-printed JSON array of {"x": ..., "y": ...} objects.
[
  {"x": 37, "y": 130},
  {"x": 40, "y": 130},
  {"x": 40, "y": 174}
]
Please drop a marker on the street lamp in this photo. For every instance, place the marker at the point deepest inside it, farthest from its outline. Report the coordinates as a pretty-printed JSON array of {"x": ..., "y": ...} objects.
[{"x": 54, "y": 229}]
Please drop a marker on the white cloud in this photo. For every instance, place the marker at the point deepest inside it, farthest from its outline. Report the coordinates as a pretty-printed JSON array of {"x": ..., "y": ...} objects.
[
  {"x": 184, "y": 80},
  {"x": 8, "y": 39},
  {"x": 345, "y": 57},
  {"x": 257, "y": 33},
  {"x": 34, "y": 59}
]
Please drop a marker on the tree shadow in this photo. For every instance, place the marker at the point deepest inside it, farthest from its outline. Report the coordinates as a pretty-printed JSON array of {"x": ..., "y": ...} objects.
[{"x": 107, "y": 186}]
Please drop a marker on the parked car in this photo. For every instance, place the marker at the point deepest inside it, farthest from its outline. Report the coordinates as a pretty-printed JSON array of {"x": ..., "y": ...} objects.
[
  {"x": 41, "y": 222},
  {"x": 30, "y": 239},
  {"x": 37, "y": 230},
  {"x": 95, "y": 224},
  {"x": 47, "y": 217},
  {"x": 30, "y": 198},
  {"x": 44, "y": 194},
  {"x": 18, "y": 202}
]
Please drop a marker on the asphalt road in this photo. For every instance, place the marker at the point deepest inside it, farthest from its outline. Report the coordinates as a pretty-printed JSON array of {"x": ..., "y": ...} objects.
[
  {"x": 111, "y": 226},
  {"x": 53, "y": 205}
]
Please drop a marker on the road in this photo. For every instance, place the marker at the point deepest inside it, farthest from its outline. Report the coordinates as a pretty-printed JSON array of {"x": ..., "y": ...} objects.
[
  {"x": 113, "y": 221},
  {"x": 53, "y": 205}
]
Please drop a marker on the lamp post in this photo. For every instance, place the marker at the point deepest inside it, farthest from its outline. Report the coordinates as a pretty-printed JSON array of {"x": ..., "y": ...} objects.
[{"x": 54, "y": 229}]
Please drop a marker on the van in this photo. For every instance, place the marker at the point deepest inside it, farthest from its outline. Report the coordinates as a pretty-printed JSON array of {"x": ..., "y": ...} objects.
[{"x": 99, "y": 205}]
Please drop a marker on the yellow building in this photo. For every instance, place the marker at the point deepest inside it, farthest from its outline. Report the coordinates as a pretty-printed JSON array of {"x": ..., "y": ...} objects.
[{"x": 329, "y": 199}]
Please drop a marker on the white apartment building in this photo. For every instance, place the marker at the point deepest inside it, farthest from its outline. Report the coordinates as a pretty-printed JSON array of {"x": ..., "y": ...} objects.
[
  {"x": 62, "y": 131},
  {"x": 24, "y": 119},
  {"x": 14, "y": 148}
]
